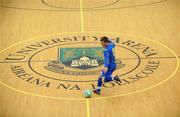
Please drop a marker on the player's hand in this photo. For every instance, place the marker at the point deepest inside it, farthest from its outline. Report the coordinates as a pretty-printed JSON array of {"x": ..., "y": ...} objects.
[{"x": 105, "y": 69}]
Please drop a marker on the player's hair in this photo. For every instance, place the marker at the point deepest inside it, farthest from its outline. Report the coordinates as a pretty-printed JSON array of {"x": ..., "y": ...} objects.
[{"x": 105, "y": 39}]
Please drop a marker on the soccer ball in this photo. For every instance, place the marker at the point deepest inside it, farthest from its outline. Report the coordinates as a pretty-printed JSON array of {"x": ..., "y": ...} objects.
[{"x": 87, "y": 93}]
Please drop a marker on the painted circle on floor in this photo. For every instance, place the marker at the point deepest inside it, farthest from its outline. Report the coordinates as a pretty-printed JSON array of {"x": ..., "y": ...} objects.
[
  {"x": 62, "y": 66},
  {"x": 88, "y": 4},
  {"x": 74, "y": 5}
]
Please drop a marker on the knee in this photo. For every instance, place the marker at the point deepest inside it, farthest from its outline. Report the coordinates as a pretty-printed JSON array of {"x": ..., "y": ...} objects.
[
  {"x": 101, "y": 75},
  {"x": 100, "y": 79}
]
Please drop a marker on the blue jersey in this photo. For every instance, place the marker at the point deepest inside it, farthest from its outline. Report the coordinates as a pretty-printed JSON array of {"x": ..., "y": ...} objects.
[{"x": 109, "y": 58}]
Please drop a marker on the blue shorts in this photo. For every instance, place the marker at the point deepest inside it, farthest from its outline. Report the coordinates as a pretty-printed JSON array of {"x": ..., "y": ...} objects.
[{"x": 108, "y": 74}]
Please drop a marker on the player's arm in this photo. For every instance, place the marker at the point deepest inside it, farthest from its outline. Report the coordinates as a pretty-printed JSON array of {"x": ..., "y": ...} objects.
[
  {"x": 112, "y": 46},
  {"x": 106, "y": 60}
]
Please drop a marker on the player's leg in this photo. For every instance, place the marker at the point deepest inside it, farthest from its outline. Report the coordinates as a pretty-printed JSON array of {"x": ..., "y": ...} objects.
[
  {"x": 100, "y": 81},
  {"x": 108, "y": 75},
  {"x": 105, "y": 77}
]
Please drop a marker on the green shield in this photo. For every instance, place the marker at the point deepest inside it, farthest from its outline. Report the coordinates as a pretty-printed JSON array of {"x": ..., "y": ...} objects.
[{"x": 82, "y": 58}]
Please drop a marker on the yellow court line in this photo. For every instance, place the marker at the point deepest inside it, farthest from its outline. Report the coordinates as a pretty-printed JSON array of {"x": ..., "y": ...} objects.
[
  {"x": 82, "y": 30},
  {"x": 88, "y": 110},
  {"x": 138, "y": 91},
  {"x": 82, "y": 20}
]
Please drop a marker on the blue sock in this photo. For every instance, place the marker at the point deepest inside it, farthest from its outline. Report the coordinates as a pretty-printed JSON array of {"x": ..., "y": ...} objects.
[{"x": 99, "y": 83}]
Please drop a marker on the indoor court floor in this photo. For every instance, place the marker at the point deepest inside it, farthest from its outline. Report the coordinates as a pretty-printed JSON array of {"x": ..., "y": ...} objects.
[{"x": 50, "y": 53}]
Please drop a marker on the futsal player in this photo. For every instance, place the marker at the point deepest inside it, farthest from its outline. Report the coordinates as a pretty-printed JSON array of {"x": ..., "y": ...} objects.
[{"x": 109, "y": 64}]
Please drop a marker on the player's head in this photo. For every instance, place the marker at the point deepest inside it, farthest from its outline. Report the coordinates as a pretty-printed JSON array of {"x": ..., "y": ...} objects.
[{"x": 104, "y": 41}]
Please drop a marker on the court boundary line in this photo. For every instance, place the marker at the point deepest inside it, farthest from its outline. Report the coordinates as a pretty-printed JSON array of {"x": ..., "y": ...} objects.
[{"x": 82, "y": 18}]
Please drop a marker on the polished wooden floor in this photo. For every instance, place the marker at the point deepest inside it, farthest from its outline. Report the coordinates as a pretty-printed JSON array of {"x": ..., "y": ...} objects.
[{"x": 158, "y": 20}]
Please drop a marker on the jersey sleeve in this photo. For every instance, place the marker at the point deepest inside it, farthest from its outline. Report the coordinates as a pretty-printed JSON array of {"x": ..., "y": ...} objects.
[
  {"x": 106, "y": 58},
  {"x": 112, "y": 44}
]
